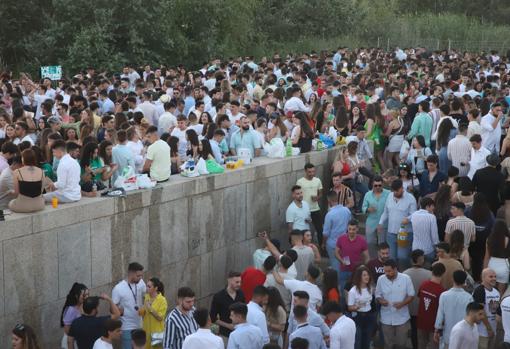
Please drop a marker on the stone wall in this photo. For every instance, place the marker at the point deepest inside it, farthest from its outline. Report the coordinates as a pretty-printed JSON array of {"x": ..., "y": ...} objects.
[{"x": 186, "y": 231}]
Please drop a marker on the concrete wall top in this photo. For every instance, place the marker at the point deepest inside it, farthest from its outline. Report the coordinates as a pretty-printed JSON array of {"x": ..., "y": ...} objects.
[{"x": 17, "y": 224}]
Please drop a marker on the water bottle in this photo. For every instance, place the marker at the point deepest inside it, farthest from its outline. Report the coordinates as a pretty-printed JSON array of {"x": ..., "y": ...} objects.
[
  {"x": 288, "y": 148},
  {"x": 94, "y": 187}
]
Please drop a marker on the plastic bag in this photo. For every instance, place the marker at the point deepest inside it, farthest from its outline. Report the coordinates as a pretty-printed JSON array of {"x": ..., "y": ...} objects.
[
  {"x": 188, "y": 169},
  {"x": 214, "y": 167},
  {"x": 144, "y": 182},
  {"x": 202, "y": 167},
  {"x": 275, "y": 149},
  {"x": 295, "y": 151},
  {"x": 127, "y": 180},
  {"x": 327, "y": 141}
]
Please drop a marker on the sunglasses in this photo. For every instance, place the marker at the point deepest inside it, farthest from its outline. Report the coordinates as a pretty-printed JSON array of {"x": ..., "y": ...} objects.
[
  {"x": 377, "y": 185},
  {"x": 19, "y": 327}
]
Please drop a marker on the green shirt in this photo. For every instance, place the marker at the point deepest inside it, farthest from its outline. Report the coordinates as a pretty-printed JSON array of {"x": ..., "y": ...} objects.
[{"x": 422, "y": 125}]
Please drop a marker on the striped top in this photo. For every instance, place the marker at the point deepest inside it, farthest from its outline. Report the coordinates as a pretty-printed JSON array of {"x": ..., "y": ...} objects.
[
  {"x": 459, "y": 152},
  {"x": 464, "y": 224},
  {"x": 425, "y": 235},
  {"x": 177, "y": 327}
]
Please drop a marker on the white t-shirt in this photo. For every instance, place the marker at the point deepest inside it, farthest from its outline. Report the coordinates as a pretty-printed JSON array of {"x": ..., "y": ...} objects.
[
  {"x": 101, "y": 344},
  {"x": 313, "y": 291},
  {"x": 124, "y": 295},
  {"x": 505, "y": 316},
  {"x": 166, "y": 121},
  {"x": 298, "y": 215},
  {"x": 27, "y": 138},
  {"x": 362, "y": 299},
  {"x": 491, "y": 306},
  {"x": 183, "y": 143}
]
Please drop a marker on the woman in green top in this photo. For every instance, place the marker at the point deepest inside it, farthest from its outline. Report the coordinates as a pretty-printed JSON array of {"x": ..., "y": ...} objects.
[
  {"x": 92, "y": 168},
  {"x": 375, "y": 127}
]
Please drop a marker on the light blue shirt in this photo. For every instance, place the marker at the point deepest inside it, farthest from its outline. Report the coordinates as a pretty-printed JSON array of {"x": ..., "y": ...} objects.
[
  {"x": 215, "y": 147},
  {"x": 122, "y": 156},
  {"x": 311, "y": 333},
  {"x": 335, "y": 224},
  {"x": 394, "y": 291},
  {"x": 248, "y": 139},
  {"x": 452, "y": 309},
  {"x": 107, "y": 106},
  {"x": 313, "y": 319},
  {"x": 396, "y": 210},
  {"x": 245, "y": 336},
  {"x": 370, "y": 200},
  {"x": 189, "y": 102}
]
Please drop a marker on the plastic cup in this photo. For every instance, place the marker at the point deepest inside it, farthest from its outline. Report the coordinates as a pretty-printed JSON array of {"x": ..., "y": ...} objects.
[{"x": 54, "y": 202}]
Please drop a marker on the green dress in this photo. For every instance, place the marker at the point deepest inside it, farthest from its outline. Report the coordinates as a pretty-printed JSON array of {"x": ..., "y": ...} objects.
[{"x": 376, "y": 136}]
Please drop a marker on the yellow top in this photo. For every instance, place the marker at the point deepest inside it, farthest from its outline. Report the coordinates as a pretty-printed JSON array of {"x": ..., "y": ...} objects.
[{"x": 150, "y": 323}]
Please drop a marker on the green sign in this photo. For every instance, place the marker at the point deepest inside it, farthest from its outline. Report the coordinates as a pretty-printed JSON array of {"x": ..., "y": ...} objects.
[{"x": 54, "y": 72}]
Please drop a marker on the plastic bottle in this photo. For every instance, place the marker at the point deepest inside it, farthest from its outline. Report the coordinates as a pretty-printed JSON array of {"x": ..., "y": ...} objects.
[{"x": 288, "y": 147}]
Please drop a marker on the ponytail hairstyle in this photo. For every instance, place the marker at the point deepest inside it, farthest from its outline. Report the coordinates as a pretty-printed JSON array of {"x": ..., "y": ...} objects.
[
  {"x": 72, "y": 299},
  {"x": 159, "y": 285}
]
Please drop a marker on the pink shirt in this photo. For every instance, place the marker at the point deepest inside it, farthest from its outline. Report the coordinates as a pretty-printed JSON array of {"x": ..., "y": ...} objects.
[{"x": 351, "y": 249}]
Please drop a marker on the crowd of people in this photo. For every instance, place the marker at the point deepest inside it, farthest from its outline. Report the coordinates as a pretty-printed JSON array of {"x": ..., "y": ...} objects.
[{"x": 406, "y": 246}]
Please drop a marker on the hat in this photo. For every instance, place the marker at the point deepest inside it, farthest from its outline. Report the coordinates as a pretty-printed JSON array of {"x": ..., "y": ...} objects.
[
  {"x": 164, "y": 98},
  {"x": 492, "y": 160},
  {"x": 54, "y": 120}
]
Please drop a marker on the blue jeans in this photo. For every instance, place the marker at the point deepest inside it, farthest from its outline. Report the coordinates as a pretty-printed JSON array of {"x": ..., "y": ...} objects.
[
  {"x": 365, "y": 327},
  {"x": 402, "y": 255},
  {"x": 343, "y": 279},
  {"x": 333, "y": 262},
  {"x": 126, "y": 339},
  {"x": 362, "y": 188}
]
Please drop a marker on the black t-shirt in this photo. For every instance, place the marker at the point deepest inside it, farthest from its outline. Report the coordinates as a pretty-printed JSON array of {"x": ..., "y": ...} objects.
[
  {"x": 87, "y": 329},
  {"x": 220, "y": 306}
]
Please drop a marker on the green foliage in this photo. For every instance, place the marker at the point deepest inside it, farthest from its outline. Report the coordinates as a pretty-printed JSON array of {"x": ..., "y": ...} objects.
[{"x": 110, "y": 33}]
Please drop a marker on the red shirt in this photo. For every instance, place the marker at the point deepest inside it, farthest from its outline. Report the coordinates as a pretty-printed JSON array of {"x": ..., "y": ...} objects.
[
  {"x": 251, "y": 278},
  {"x": 428, "y": 296},
  {"x": 352, "y": 249}
]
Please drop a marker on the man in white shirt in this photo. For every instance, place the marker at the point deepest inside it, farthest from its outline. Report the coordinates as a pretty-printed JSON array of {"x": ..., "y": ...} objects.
[
  {"x": 491, "y": 128},
  {"x": 464, "y": 334},
  {"x": 180, "y": 132},
  {"x": 21, "y": 131},
  {"x": 459, "y": 150},
  {"x": 394, "y": 291},
  {"x": 295, "y": 103},
  {"x": 167, "y": 121},
  {"x": 309, "y": 286},
  {"x": 203, "y": 338},
  {"x": 478, "y": 155},
  {"x": 425, "y": 234},
  {"x": 148, "y": 109},
  {"x": 67, "y": 187},
  {"x": 128, "y": 296},
  {"x": 256, "y": 315},
  {"x": 343, "y": 331},
  {"x": 113, "y": 333},
  {"x": 234, "y": 114},
  {"x": 312, "y": 192},
  {"x": 298, "y": 215}
]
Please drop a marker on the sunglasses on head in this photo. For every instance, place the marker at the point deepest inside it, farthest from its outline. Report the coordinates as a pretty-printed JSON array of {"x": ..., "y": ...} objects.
[{"x": 19, "y": 327}]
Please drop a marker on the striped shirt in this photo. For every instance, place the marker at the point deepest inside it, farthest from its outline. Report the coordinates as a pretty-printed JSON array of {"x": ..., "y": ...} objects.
[
  {"x": 459, "y": 152},
  {"x": 464, "y": 224},
  {"x": 177, "y": 327},
  {"x": 345, "y": 196},
  {"x": 425, "y": 235}
]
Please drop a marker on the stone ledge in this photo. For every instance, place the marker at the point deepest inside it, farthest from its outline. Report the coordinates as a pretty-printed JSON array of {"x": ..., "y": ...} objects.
[{"x": 18, "y": 225}]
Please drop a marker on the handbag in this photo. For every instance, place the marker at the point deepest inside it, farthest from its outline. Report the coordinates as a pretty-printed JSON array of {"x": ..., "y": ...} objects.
[{"x": 157, "y": 338}]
